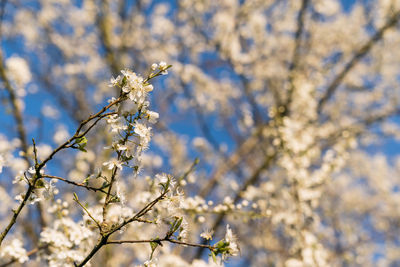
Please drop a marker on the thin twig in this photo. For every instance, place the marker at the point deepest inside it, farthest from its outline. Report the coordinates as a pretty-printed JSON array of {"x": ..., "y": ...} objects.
[
  {"x": 108, "y": 193},
  {"x": 104, "y": 238},
  {"x": 38, "y": 167},
  {"x": 76, "y": 184},
  {"x": 159, "y": 240},
  {"x": 76, "y": 199}
]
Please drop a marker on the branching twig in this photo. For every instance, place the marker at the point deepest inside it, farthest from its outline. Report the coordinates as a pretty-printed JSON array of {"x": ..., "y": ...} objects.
[
  {"x": 101, "y": 189},
  {"x": 104, "y": 236},
  {"x": 159, "y": 240},
  {"x": 39, "y": 166}
]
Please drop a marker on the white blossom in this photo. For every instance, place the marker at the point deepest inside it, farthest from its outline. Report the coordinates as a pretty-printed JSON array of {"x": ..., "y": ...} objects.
[
  {"x": 154, "y": 66},
  {"x": 115, "y": 81},
  {"x": 144, "y": 133},
  {"x": 112, "y": 164},
  {"x": 152, "y": 116},
  {"x": 163, "y": 67},
  {"x": 233, "y": 248},
  {"x": 207, "y": 234}
]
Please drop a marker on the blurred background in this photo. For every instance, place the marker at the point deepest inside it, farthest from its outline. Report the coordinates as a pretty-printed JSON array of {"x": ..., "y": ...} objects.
[{"x": 282, "y": 117}]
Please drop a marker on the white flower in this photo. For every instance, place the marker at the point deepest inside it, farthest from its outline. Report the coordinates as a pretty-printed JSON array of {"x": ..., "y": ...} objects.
[
  {"x": 126, "y": 88},
  {"x": 184, "y": 230},
  {"x": 113, "y": 163},
  {"x": 33, "y": 198},
  {"x": 31, "y": 170},
  {"x": 175, "y": 203},
  {"x": 144, "y": 133},
  {"x": 154, "y": 66},
  {"x": 19, "y": 198},
  {"x": 152, "y": 116},
  {"x": 115, "y": 107},
  {"x": 135, "y": 87},
  {"x": 49, "y": 189},
  {"x": 141, "y": 129},
  {"x": 15, "y": 251},
  {"x": 137, "y": 94},
  {"x": 231, "y": 239},
  {"x": 163, "y": 67},
  {"x": 148, "y": 87},
  {"x": 19, "y": 178},
  {"x": 129, "y": 75},
  {"x": 164, "y": 179},
  {"x": 115, "y": 81},
  {"x": 120, "y": 193},
  {"x": 131, "y": 150},
  {"x": 207, "y": 234},
  {"x": 116, "y": 123},
  {"x": 121, "y": 147}
]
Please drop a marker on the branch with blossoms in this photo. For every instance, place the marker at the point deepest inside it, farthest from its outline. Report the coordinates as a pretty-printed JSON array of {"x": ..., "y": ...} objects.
[
  {"x": 77, "y": 141},
  {"x": 127, "y": 117},
  {"x": 131, "y": 138},
  {"x": 225, "y": 247},
  {"x": 37, "y": 173}
]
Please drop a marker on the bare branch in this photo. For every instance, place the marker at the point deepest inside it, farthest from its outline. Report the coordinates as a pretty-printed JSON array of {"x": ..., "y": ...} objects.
[
  {"x": 95, "y": 189},
  {"x": 159, "y": 240}
]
